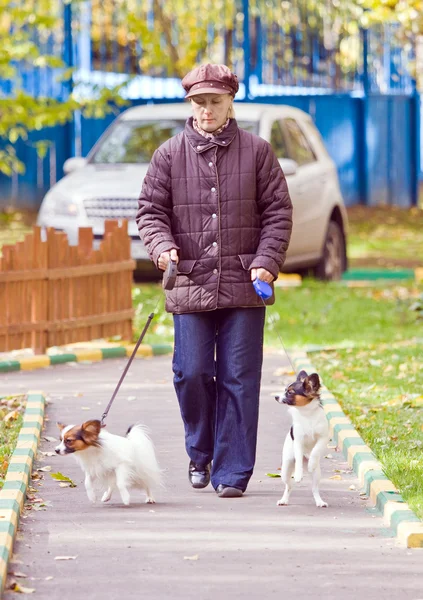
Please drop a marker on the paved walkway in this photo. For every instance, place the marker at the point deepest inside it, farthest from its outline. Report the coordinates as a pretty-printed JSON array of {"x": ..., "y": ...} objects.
[{"x": 191, "y": 544}]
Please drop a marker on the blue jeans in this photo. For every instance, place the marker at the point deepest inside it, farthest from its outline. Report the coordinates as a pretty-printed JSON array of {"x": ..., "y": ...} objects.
[{"x": 217, "y": 371}]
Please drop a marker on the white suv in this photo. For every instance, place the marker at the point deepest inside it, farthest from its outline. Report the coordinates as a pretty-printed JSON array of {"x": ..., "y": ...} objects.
[{"x": 107, "y": 183}]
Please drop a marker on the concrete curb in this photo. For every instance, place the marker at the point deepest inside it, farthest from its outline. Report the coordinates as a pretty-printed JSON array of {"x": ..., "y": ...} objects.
[
  {"x": 12, "y": 495},
  {"x": 397, "y": 515},
  {"x": 90, "y": 352}
]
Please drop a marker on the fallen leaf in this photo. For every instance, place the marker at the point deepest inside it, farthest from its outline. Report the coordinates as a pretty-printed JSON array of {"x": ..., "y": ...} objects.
[
  {"x": 60, "y": 477},
  {"x": 273, "y": 474},
  {"x": 284, "y": 371},
  {"x": 45, "y": 469},
  {"x": 338, "y": 375},
  {"x": 335, "y": 477},
  {"x": 49, "y": 438},
  {"x": 15, "y": 587},
  {"x": 194, "y": 557},
  {"x": 42, "y": 506},
  {"x": 352, "y": 487},
  {"x": 11, "y": 416},
  {"x": 49, "y": 578},
  {"x": 17, "y": 574},
  {"x": 65, "y": 557}
]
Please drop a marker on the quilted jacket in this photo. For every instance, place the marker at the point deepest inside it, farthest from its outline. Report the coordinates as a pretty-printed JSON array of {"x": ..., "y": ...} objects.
[{"x": 224, "y": 204}]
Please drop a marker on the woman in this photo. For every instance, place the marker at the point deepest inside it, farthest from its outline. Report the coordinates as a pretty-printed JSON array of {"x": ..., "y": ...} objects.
[{"x": 216, "y": 201}]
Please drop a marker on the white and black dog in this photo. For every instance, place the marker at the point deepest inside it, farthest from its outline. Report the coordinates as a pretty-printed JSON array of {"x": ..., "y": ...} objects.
[{"x": 308, "y": 436}]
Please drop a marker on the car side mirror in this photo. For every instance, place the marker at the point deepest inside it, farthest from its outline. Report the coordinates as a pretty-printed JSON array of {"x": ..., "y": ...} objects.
[
  {"x": 289, "y": 166},
  {"x": 74, "y": 163}
]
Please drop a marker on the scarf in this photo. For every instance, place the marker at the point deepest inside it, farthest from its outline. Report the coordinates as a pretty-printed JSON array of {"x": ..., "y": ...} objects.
[{"x": 206, "y": 134}]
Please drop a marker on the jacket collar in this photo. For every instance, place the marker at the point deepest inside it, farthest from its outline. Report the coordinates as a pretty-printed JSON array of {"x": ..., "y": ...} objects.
[{"x": 200, "y": 143}]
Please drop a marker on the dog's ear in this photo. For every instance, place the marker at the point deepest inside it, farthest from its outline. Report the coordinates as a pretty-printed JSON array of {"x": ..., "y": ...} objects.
[
  {"x": 312, "y": 383},
  {"x": 301, "y": 376},
  {"x": 90, "y": 431},
  {"x": 61, "y": 426}
]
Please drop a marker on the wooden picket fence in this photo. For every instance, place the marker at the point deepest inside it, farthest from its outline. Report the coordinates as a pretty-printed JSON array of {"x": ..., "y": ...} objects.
[{"x": 53, "y": 294}]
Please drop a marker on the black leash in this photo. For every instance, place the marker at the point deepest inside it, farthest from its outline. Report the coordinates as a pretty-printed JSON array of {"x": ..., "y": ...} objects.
[{"x": 169, "y": 279}]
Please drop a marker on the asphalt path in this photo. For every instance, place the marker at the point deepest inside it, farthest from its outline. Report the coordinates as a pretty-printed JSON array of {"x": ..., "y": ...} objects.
[{"x": 192, "y": 544}]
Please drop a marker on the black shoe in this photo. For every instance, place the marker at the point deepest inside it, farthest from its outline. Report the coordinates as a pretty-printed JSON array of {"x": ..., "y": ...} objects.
[
  {"x": 199, "y": 477},
  {"x": 226, "y": 491}
]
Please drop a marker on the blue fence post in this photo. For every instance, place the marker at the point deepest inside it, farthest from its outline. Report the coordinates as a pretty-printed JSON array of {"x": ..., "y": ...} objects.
[
  {"x": 68, "y": 85},
  {"x": 415, "y": 123},
  {"x": 259, "y": 50},
  {"x": 362, "y": 122},
  {"x": 246, "y": 47}
]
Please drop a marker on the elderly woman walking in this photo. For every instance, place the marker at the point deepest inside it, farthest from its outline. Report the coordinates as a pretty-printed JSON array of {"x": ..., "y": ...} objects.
[{"x": 215, "y": 200}]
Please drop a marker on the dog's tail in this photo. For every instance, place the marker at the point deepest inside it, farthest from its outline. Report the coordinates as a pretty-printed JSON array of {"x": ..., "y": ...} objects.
[{"x": 139, "y": 437}]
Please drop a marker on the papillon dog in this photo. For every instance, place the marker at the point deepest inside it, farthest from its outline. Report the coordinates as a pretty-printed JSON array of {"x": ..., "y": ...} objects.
[
  {"x": 308, "y": 436},
  {"x": 111, "y": 461}
]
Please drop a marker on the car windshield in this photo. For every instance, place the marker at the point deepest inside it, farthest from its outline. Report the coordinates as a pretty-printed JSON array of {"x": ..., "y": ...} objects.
[{"x": 132, "y": 142}]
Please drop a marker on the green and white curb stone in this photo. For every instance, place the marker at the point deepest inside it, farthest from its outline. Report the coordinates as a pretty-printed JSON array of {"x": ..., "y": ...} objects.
[
  {"x": 13, "y": 492},
  {"x": 84, "y": 352}
]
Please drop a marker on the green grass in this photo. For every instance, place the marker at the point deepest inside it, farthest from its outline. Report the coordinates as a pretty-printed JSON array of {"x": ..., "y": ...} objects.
[
  {"x": 385, "y": 235},
  {"x": 312, "y": 314},
  {"x": 149, "y": 298},
  {"x": 9, "y": 428},
  {"x": 381, "y": 389},
  {"x": 14, "y": 226}
]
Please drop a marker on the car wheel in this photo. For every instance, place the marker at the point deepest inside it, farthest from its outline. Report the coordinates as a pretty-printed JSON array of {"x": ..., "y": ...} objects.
[{"x": 331, "y": 265}]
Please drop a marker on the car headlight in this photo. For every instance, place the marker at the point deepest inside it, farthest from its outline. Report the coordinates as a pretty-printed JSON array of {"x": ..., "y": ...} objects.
[
  {"x": 56, "y": 204},
  {"x": 66, "y": 208}
]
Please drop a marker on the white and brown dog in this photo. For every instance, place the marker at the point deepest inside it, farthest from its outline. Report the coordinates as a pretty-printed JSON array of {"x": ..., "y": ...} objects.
[
  {"x": 308, "y": 436},
  {"x": 111, "y": 461}
]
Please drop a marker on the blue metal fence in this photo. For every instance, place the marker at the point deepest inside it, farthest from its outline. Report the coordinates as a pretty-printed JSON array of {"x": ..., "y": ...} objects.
[{"x": 354, "y": 83}]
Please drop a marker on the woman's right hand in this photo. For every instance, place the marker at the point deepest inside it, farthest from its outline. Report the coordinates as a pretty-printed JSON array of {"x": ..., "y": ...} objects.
[{"x": 165, "y": 257}]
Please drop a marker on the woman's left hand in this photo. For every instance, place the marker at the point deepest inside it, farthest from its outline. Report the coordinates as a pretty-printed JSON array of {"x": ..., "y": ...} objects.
[{"x": 262, "y": 274}]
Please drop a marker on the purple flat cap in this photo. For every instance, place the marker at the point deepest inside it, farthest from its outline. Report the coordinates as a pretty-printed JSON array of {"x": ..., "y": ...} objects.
[{"x": 210, "y": 79}]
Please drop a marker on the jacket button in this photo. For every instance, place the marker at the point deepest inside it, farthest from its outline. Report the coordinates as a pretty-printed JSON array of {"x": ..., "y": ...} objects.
[
  {"x": 213, "y": 189},
  {"x": 214, "y": 271},
  {"x": 199, "y": 147},
  {"x": 210, "y": 164},
  {"x": 223, "y": 142},
  {"x": 214, "y": 244},
  {"x": 214, "y": 215}
]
